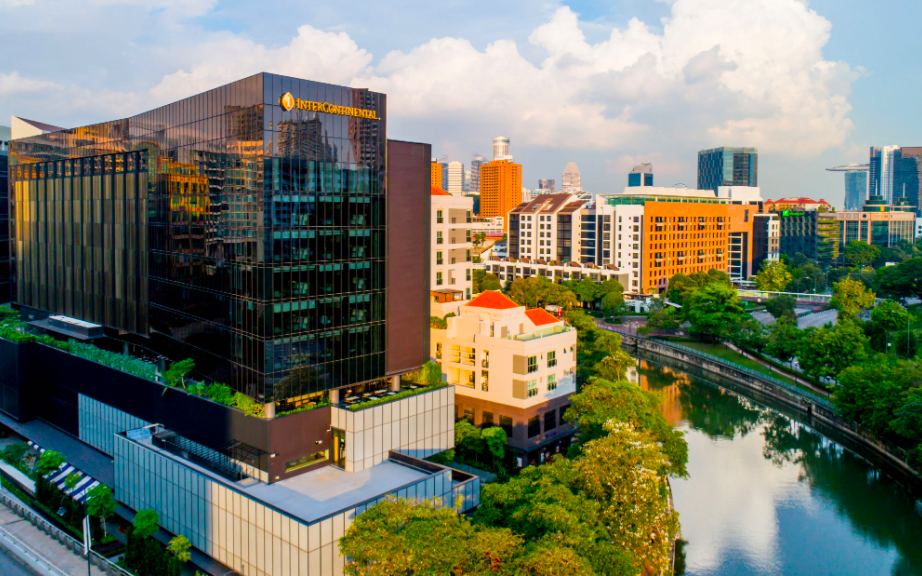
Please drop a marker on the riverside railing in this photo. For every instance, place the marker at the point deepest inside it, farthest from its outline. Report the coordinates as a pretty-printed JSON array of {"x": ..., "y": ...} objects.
[
  {"x": 62, "y": 537},
  {"x": 815, "y": 398}
]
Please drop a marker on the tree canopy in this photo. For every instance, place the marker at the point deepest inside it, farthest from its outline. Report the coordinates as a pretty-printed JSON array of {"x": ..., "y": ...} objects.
[
  {"x": 827, "y": 351},
  {"x": 861, "y": 254},
  {"x": 774, "y": 276},
  {"x": 782, "y": 305},
  {"x": 713, "y": 310},
  {"x": 850, "y": 297}
]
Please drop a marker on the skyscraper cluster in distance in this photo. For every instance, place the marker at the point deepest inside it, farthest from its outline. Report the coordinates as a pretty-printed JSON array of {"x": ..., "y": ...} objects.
[{"x": 892, "y": 177}]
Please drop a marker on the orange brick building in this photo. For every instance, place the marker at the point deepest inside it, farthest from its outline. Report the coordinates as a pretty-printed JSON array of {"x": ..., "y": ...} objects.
[
  {"x": 682, "y": 238},
  {"x": 500, "y": 189},
  {"x": 436, "y": 175}
]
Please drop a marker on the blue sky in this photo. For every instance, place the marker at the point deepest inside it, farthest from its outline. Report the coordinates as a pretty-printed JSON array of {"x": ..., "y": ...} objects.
[{"x": 604, "y": 84}]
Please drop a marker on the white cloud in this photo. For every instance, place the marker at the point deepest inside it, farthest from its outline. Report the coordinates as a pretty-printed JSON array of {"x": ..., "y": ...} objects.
[
  {"x": 13, "y": 83},
  {"x": 314, "y": 54},
  {"x": 741, "y": 73}
]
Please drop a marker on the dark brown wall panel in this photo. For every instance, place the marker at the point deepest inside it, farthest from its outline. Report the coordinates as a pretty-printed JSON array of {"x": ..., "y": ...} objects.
[{"x": 408, "y": 207}]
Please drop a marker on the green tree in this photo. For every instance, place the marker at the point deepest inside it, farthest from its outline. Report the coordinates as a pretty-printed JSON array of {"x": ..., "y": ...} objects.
[
  {"x": 602, "y": 401},
  {"x": 660, "y": 317},
  {"x": 850, "y": 297},
  {"x": 179, "y": 547},
  {"x": 614, "y": 367},
  {"x": 749, "y": 334},
  {"x": 72, "y": 480},
  {"x": 713, "y": 310},
  {"x": 890, "y": 316},
  {"x": 860, "y": 254},
  {"x": 773, "y": 277},
  {"x": 403, "y": 537},
  {"x": 872, "y": 392},
  {"x": 827, "y": 351},
  {"x": 586, "y": 290},
  {"x": 146, "y": 522},
  {"x": 49, "y": 462},
  {"x": 612, "y": 302},
  {"x": 782, "y": 305},
  {"x": 609, "y": 286},
  {"x": 437, "y": 323},
  {"x": 901, "y": 281},
  {"x": 101, "y": 503},
  {"x": 431, "y": 373},
  {"x": 482, "y": 281},
  {"x": 177, "y": 372},
  {"x": 495, "y": 439},
  {"x": 784, "y": 340}
]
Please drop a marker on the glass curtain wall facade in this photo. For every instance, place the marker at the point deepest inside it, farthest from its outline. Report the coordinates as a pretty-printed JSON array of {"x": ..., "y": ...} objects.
[
  {"x": 727, "y": 167},
  {"x": 244, "y": 227},
  {"x": 856, "y": 189},
  {"x": 4, "y": 216},
  {"x": 909, "y": 181}
]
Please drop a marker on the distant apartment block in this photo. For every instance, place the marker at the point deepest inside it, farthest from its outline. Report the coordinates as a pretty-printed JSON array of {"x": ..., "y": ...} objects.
[{"x": 450, "y": 265}]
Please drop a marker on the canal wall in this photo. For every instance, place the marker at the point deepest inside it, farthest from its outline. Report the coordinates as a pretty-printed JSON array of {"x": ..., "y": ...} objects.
[{"x": 819, "y": 409}]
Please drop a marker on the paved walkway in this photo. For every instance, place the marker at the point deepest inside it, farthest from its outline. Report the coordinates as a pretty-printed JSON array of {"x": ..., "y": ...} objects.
[{"x": 26, "y": 541}]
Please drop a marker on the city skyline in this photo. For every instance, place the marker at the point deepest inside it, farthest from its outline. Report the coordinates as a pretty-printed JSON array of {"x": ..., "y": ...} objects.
[{"x": 678, "y": 114}]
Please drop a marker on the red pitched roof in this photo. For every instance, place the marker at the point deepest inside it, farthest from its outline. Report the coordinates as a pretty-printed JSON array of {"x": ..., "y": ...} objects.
[
  {"x": 540, "y": 317},
  {"x": 494, "y": 300},
  {"x": 800, "y": 200},
  {"x": 439, "y": 192}
]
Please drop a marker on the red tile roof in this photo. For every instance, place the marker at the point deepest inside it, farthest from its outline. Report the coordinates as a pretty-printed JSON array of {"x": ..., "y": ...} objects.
[
  {"x": 494, "y": 300},
  {"x": 796, "y": 201},
  {"x": 540, "y": 317},
  {"x": 439, "y": 192}
]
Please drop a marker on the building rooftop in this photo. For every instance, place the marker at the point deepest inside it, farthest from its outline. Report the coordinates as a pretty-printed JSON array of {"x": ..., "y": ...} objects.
[
  {"x": 494, "y": 300},
  {"x": 316, "y": 494},
  {"x": 546, "y": 204},
  {"x": 439, "y": 192},
  {"x": 801, "y": 200},
  {"x": 540, "y": 317}
]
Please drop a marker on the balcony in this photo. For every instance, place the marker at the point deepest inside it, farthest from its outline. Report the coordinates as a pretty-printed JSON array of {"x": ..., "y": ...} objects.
[{"x": 552, "y": 331}]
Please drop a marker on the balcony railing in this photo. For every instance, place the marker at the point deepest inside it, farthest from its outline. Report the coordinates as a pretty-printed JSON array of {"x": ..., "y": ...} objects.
[{"x": 552, "y": 331}]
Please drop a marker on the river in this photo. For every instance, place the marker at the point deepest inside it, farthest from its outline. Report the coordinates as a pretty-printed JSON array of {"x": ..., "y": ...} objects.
[{"x": 768, "y": 495}]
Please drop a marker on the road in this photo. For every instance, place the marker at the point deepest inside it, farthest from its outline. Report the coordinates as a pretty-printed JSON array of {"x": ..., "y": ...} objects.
[
  {"x": 815, "y": 320},
  {"x": 11, "y": 566}
]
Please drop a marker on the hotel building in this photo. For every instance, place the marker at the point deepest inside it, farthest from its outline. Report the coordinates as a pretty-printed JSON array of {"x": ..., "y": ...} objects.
[
  {"x": 877, "y": 223},
  {"x": 260, "y": 229},
  {"x": 510, "y": 367}
]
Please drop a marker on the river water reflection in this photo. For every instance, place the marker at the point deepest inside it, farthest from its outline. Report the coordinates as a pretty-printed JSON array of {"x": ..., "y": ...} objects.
[{"x": 767, "y": 495}]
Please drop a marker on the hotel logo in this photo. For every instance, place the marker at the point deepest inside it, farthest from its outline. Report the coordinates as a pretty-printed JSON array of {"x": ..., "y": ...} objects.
[{"x": 288, "y": 102}]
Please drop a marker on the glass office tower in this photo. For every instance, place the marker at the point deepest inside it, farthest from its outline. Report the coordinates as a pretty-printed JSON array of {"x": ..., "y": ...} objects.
[
  {"x": 4, "y": 216},
  {"x": 727, "y": 167},
  {"x": 244, "y": 227}
]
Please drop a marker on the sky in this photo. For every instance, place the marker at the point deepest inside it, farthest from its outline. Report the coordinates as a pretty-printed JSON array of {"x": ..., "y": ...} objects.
[{"x": 604, "y": 84}]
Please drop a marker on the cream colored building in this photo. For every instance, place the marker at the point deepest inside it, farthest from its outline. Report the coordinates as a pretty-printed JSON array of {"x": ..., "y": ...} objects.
[
  {"x": 511, "y": 367},
  {"x": 452, "y": 242}
]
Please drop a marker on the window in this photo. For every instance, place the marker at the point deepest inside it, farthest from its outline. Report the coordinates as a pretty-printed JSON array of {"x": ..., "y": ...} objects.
[
  {"x": 532, "y": 388},
  {"x": 532, "y": 364},
  {"x": 438, "y": 237},
  {"x": 438, "y": 278},
  {"x": 505, "y": 422},
  {"x": 485, "y": 380},
  {"x": 438, "y": 217},
  {"x": 468, "y": 258},
  {"x": 467, "y": 235},
  {"x": 487, "y": 418},
  {"x": 292, "y": 465},
  {"x": 438, "y": 350},
  {"x": 467, "y": 293},
  {"x": 563, "y": 411},
  {"x": 485, "y": 363},
  {"x": 468, "y": 216},
  {"x": 467, "y": 274},
  {"x": 552, "y": 359},
  {"x": 438, "y": 258},
  {"x": 552, "y": 382},
  {"x": 469, "y": 415},
  {"x": 534, "y": 426},
  {"x": 550, "y": 420}
]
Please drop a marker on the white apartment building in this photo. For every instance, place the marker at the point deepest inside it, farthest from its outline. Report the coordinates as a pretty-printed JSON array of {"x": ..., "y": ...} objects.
[
  {"x": 507, "y": 269},
  {"x": 510, "y": 367},
  {"x": 450, "y": 266},
  {"x": 455, "y": 178}
]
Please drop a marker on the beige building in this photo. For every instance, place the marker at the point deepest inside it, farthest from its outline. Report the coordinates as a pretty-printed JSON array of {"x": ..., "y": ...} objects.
[
  {"x": 510, "y": 367},
  {"x": 452, "y": 242}
]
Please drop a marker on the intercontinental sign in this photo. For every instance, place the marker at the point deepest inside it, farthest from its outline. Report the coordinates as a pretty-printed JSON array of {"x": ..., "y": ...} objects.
[{"x": 288, "y": 102}]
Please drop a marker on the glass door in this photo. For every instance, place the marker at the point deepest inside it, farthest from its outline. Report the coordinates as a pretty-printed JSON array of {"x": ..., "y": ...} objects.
[{"x": 339, "y": 448}]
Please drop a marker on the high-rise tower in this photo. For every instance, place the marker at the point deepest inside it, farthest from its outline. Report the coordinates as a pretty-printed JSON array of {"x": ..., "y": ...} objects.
[
  {"x": 728, "y": 167},
  {"x": 856, "y": 184},
  {"x": 501, "y": 148},
  {"x": 884, "y": 164},
  {"x": 500, "y": 189},
  {"x": 571, "y": 179}
]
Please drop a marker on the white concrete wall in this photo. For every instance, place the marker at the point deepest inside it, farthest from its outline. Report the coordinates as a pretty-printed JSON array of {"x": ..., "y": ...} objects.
[
  {"x": 628, "y": 257},
  {"x": 461, "y": 271},
  {"x": 419, "y": 426}
]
